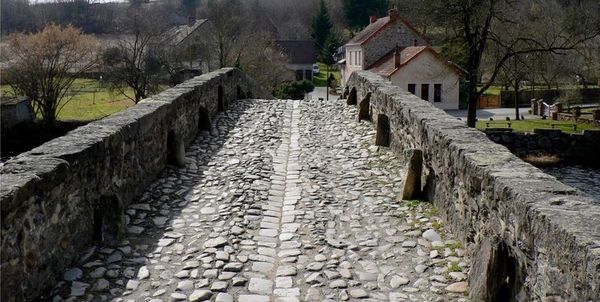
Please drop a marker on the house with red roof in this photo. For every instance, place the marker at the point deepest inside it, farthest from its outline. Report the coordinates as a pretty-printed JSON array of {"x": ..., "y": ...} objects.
[
  {"x": 394, "y": 49},
  {"x": 423, "y": 72}
]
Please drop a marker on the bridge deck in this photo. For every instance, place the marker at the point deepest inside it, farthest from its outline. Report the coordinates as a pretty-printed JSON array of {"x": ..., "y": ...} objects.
[{"x": 285, "y": 201}]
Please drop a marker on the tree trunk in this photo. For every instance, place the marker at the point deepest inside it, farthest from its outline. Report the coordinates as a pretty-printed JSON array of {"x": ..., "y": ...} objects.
[
  {"x": 49, "y": 114},
  {"x": 517, "y": 94},
  {"x": 472, "y": 102}
]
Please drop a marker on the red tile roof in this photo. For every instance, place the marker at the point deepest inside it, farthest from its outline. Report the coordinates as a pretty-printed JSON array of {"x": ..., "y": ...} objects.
[{"x": 386, "y": 66}]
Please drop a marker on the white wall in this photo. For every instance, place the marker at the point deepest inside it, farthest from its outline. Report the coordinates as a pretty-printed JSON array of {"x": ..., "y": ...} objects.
[
  {"x": 427, "y": 69},
  {"x": 351, "y": 65}
]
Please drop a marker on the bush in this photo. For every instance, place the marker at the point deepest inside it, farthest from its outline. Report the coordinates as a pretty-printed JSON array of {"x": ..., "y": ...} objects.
[{"x": 293, "y": 90}]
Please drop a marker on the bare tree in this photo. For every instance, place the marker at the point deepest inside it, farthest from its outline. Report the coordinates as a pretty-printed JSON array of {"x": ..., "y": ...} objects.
[
  {"x": 551, "y": 69},
  {"x": 229, "y": 18},
  {"x": 259, "y": 57},
  {"x": 511, "y": 28},
  {"x": 514, "y": 73},
  {"x": 245, "y": 41},
  {"x": 131, "y": 64},
  {"x": 44, "y": 65}
]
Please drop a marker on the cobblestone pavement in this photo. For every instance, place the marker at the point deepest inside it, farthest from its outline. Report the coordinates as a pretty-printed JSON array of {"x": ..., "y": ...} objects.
[{"x": 281, "y": 201}]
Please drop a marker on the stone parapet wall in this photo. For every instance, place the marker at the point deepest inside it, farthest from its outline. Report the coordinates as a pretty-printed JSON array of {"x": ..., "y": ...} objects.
[
  {"x": 586, "y": 119},
  {"x": 63, "y": 196},
  {"x": 531, "y": 237},
  {"x": 579, "y": 148}
]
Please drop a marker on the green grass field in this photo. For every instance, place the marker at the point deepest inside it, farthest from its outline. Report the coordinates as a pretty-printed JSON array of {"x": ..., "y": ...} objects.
[
  {"x": 87, "y": 100},
  {"x": 320, "y": 80},
  {"x": 493, "y": 90},
  {"x": 589, "y": 110},
  {"x": 529, "y": 125}
]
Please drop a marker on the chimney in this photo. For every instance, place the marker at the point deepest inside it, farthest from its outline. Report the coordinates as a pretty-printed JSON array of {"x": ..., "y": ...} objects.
[
  {"x": 191, "y": 21},
  {"x": 394, "y": 14},
  {"x": 372, "y": 19},
  {"x": 397, "y": 57}
]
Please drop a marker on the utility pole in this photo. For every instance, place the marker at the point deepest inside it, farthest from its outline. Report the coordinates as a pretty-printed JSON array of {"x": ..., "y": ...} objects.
[{"x": 327, "y": 82}]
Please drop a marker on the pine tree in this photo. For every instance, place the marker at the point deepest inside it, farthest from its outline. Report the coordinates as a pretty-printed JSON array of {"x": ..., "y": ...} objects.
[
  {"x": 358, "y": 11},
  {"x": 321, "y": 28},
  {"x": 329, "y": 49}
]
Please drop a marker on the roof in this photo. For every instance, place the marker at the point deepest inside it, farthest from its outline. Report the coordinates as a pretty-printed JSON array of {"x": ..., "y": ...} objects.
[
  {"x": 370, "y": 30},
  {"x": 374, "y": 28},
  {"x": 177, "y": 34},
  {"x": 386, "y": 66},
  {"x": 12, "y": 100},
  {"x": 299, "y": 51}
]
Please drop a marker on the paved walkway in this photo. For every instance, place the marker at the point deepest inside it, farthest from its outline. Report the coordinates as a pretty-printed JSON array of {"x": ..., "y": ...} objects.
[
  {"x": 284, "y": 201},
  {"x": 498, "y": 114}
]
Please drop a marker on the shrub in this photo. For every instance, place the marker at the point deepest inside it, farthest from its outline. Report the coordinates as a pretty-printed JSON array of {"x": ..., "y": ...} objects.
[{"x": 293, "y": 90}]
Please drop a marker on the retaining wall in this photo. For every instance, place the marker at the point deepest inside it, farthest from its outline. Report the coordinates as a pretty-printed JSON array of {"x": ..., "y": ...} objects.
[
  {"x": 585, "y": 118},
  {"x": 59, "y": 198},
  {"x": 531, "y": 237},
  {"x": 579, "y": 148}
]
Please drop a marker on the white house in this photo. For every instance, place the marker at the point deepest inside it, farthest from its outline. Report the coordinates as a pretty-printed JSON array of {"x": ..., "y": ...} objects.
[
  {"x": 376, "y": 40},
  {"x": 424, "y": 73},
  {"x": 394, "y": 49}
]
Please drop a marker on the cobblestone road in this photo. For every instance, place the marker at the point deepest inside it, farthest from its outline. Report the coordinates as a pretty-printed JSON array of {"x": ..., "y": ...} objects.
[{"x": 282, "y": 201}]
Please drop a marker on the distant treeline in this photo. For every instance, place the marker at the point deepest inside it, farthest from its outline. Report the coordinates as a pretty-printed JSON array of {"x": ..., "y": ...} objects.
[{"x": 94, "y": 18}]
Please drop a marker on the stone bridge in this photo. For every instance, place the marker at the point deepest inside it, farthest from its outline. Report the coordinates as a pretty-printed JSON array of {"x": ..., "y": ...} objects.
[{"x": 204, "y": 192}]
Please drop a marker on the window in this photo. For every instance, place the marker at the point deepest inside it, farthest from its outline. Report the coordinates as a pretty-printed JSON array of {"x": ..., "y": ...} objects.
[
  {"x": 425, "y": 92},
  {"x": 356, "y": 58},
  {"x": 437, "y": 93},
  {"x": 359, "y": 58},
  {"x": 299, "y": 74},
  {"x": 412, "y": 88},
  {"x": 350, "y": 58}
]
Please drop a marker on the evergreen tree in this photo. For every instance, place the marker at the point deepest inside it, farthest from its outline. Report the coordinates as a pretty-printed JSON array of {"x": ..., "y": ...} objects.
[
  {"x": 330, "y": 47},
  {"x": 358, "y": 11},
  {"x": 189, "y": 7},
  {"x": 321, "y": 28}
]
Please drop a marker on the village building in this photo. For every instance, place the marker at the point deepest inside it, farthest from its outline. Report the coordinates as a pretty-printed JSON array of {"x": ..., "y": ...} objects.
[
  {"x": 393, "y": 48},
  {"x": 15, "y": 110},
  {"x": 302, "y": 55},
  {"x": 193, "y": 44},
  {"x": 423, "y": 72}
]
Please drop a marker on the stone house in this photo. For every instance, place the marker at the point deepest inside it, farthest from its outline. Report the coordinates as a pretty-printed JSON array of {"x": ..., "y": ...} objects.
[
  {"x": 394, "y": 49},
  {"x": 193, "y": 44},
  {"x": 301, "y": 57},
  {"x": 424, "y": 73},
  {"x": 15, "y": 110},
  {"x": 376, "y": 40}
]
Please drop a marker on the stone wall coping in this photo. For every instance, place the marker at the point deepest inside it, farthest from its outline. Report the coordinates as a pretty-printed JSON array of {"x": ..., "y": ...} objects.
[
  {"x": 60, "y": 189},
  {"x": 559, "y": 208}
]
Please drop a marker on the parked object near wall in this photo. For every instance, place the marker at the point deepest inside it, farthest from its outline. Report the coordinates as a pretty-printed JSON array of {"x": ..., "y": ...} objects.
[
  {"x": 60, "y": 197},
  {"x": 531, "y": 237}
]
